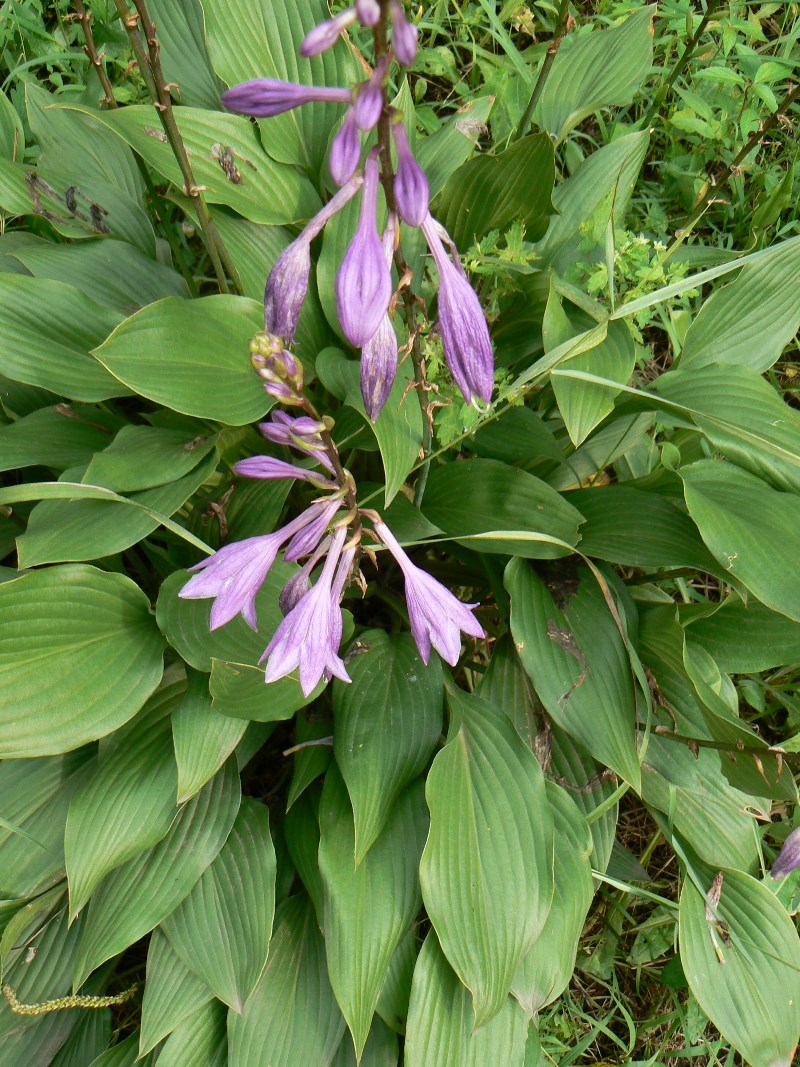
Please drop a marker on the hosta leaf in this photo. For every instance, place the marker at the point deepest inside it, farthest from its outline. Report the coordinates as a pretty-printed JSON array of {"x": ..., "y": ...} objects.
[
  {"x": 311, "y": 761},
  {"x": 125, "y": 1054},
  {"x": 128, "y": 804},
  {"x": 500, "y": 509},
  {"x": 203, "y": 739},
  {"x": 301, "y": 833},
  {"x": 53, "y": 437},
  {"x": 183, "y": 53},
  {"x": 80, "y": 640},
  {"x": 443, "y": 152},
  {"x": 292, "y": 1017},
  {"x": 209, "y": 372},
  {"x": 222, "y": 930},
  {"x": 87, "y": 1041},
  {"x": 575, "y": 657},
  {"x": 172, "y": 993},
  {"x": 141, "y": 457},
  {"x": 239, "y": 691},
  {"x": 200, "y": 1041},
  {"x": 138, "y": 896},
  {"x": 442, "y": 1029},
  {"x": 380, "y": 1050},
  {"x": 367, "y": 910},
  {"x": 487, "y": 869},
  {"x": 753, "y": 997},
  {"x": 745, "y": 638},
  {"x": 750, "y": 528},
  {"x": 545, "y": 971},
  {"x": 393, "y": 1001}
]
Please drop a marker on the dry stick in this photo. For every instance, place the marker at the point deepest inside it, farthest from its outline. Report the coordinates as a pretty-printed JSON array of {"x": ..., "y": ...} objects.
[
  {"x": 560, "y": 33},
  {"x": 716, "y": 181},
  {"x": 150, "y": 61},
  {"x": 91, "y": 51},
  {"x": 791, "y": 759}
]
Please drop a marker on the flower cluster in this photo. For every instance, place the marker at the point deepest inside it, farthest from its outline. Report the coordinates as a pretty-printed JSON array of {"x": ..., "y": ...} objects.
[{"x": 364, "y": 284}]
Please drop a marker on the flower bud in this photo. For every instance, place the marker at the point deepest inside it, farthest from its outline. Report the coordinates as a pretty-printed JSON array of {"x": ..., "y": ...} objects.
[
  {"x": 370, "y": 98},
  {"x": 286, "y": 290},
  {"x": 326, "y": 34},
  {"x": 404, "y": 35},
  {"x": 264, "y": 98},
  {"x": 345, "y": 151},
  {"x": 368, "y": 12},
  {"x": 410, "y": 184}
]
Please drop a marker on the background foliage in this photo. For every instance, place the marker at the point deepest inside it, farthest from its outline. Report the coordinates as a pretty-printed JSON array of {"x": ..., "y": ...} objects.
[{"x": 511, "y": 863}]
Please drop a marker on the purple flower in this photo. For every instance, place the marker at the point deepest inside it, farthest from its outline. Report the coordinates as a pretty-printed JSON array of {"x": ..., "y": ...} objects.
[
  {"x": 465, "y": 335},
  {"x": 410, "y": 184},
  {"x": 269, "y": 467},
  {"x": 326, "y": 34},
  {"x": 306, "y": 540},
  {"x": 234, "y": 574},
  {"x": 364, "y": 280},
  {"x": 379, "y": 354},
  {"x": 345, "y": 151},
  {"x": 308, "y": 638},
  {"x": 301, "y": 433},
  {"x": 265, "y": 97},
  {"x": 369, "y": 100},
  {"x": 436, "y": 616},
  {"x": 404, "y": 35},
  {"x": 789, "y": 856},
  {"x": 368, "y": 12}
]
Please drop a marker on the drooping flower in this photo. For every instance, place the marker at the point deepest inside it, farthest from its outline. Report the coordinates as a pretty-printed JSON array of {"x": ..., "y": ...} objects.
[
  {"x": 369, "y": 98},
  {"x": 437, "y": 617},
  {"x": 789, "y": 856},
  {"x": 307, "y": 539},
  {"x": 379, "y": 354},
  {"x": 364, "y": 281},
  {"x": 263, "y": 98},
  {"x": 326, "y": 34},
  {"x": 411, "y": 192},
  {"x": 271, "y": 468},
  {"x": 465, "y": 335},
  {"x": 345, "y": 152},
  {"x": 404, "y": 35},
  {"x": 308, "y": 637}
]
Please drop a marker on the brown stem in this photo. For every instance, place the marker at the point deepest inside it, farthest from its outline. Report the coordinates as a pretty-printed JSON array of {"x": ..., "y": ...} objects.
[
  {"x": 91, "y": 51},
  {"x": 792, "y": 759},
  {"x": 559, "y": 34}
]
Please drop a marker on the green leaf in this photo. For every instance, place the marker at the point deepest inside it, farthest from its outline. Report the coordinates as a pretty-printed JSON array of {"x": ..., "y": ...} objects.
[
  {"x": 183, "y": 52},
  {"x": 398, "y": 429},
  {"x": 301, "y": 834},
  {"x": 546, "y": 970},
  {"x": 574, "y": 654},
  {"x": 311, "y": 761},
  {"x": 750, "y": 528},
  {"x": 87, "y": 1041},
  {"x": 53, "y": 437},
  {"x": 442, "y": 1029},
  {"x": 125, "y": 1055},
  {"x": 141, "y": 457},
  {"x": 492, "y": 191},
  {"x": 518, "y": 433},
  {"x": 203, "y": 739},
  {"x": 393, "y": 1001},
  {"x": 129, "y": 803},
  {"x": 367, "y": 910},
  {"x": 135, "y": 898},
  {"x": 47, "y": 332},
  {"x": 443, "y": 152},
  {"x": 387, "y": 723},
  {"x": 222, "y": 930},
  {"x": 292, "y": 1017},
  {"x": 745, "y": 638},
  {"x": 729, "y": 328},
  {"x": 200, "y": 1041},
  {"x": 497, "y": 508},
  {"x": 753, "y": 998},
  {"x": 266, "y": 192},
  {"x": 239, "y": 690},
  {"x": 487, "y": 869},
  {"x": 205, "y": 342},
  {"x": 380, "y": 1050},
  {"x": 78, "y": 639},
  {"x": 596, "y": 70},
  {"x": 172, "y": 993}
]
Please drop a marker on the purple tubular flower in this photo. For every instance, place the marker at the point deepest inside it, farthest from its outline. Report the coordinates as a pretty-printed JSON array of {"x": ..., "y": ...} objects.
[
  {"x": 300, "y": 583},
  {"x": 301, "y": 434},
  {"x": 410, "y": 184},
  {"x": 269, "y": 467},
  {"x": 364, "y": 281},
  {"x": 308, "y": 638},
  {"x": 789, "y": 856},
  {"x": 345, "y": 150},
  {"x": 379, "y": 354},
  {"x": 404, "y": 35},
  {"x": 306, "y": 540},
  {"x": 465, "y": 335},
  {"x": 369, "y": 100},
  {"x": 368, "y": 12},
  {"x": 436, "y": 616},
  {"x": 263, "y": 98},
  {"x": 326, "y": 34}
]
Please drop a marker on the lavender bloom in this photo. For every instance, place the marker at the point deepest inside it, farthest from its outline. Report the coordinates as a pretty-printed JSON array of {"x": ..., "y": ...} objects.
[
  {"x": 379, "y": 354},
  {"x": 364, "y": 281},
  {"x": 301, "y": 434},
  {"x": 264, "y": 98},
  {"x": 436, "y": 616},
  {"x": 369, "y": 101},
  {"x": 345, "y": 151},
  {"x": 410, "y": 184},
  {"x": 308, "y": 638},
  {"x": 404, "y": 35},
  {"x": 789, "y": 856},
  {"x": 465, "y": 335},
  {"x": 326, "y": 34},
  {"x": 269, "y": 467},
  {"x": 234, "y": 574},
  {"x": 309, "y": 537},
  {"x": 368, "y": 12}
]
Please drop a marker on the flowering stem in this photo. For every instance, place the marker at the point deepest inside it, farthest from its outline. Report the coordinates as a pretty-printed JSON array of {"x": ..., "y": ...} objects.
[
  {"x": 559, "y": 34},
  {"x": 91, "y": 51}
]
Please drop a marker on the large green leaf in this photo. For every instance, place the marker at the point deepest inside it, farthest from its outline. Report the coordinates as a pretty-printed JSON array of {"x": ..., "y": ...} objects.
[
  {"x": 55, "y": 437},
  {"x": 47, "y": 332},
  {"x": 379, "y": 1051},
  {"x": 129, "y": 803},
  {"x": 239, "y": 691},
  {"x": 203, "y": 738},
  {"x": 491, "y": 191},
  {"x": 136, "y": 897},
  {"x": 172, "y": 993},
  {"x": 600, "y": 69},
  {"x": 750, "y": 528},
  {"x": 387, "y": 723},
  {"x": 745, "y": 638},
  {"x": 730, "y": 325},
  {"x": 125, "y": 1054},
  {"x": 367, "y": 910},
  {"x": 292, "y": 1017},
  {"x": 442, "y": 152},
  {"x": 575, "y": 656},
  {"x": 183, "y": 52},
  {"x": 204, "y": 344},
  {"x": 79, "y": 654},
  {"x": 498, "y": 508},
  {"x": 745, "y": 974},
  {"x": 200, "y": 1041},
  {"x": 487, "y": 869},
  {"x": 441, "y": 1029},
  {"x": 141, "y": 457}
]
